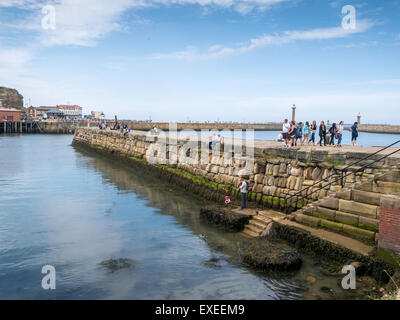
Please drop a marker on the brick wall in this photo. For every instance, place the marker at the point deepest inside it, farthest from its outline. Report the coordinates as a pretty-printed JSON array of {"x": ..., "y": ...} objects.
[{"x": 389, "y": 223}]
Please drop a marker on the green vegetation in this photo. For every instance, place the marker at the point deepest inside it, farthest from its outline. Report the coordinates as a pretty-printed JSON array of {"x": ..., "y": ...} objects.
[
  {"x": 368, "y": 227},
  {"x": 388, "y": 257},
  {"x": 333, "y": 162}
]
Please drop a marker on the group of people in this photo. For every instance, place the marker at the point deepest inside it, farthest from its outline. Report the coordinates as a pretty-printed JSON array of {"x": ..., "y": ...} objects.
[
  {"x": 214, "y": 140},
  {"x": 306, "y": 133}
]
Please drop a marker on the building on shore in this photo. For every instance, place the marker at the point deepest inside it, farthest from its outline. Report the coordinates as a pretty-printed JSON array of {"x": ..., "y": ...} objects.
[
  {"x": 32, "y": 113},
  {"x": 41, "y": 112},
  {"x": 55, "y": 113},
  {"x": 10, "y": 114},
  {"x": 71, "y": 112}
]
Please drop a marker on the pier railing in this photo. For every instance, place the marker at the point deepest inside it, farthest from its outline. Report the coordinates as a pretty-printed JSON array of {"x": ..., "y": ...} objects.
[{"x": 304, "y": 194}]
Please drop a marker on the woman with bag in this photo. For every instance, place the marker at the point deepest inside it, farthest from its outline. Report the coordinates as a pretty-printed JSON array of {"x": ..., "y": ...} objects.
[
  {"x": 322, "y": 133},
  {"x": 333, "y": 130}
]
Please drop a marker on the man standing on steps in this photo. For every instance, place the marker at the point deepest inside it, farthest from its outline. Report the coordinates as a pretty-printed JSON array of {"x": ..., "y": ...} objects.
[{"x": 243, "y": 190}]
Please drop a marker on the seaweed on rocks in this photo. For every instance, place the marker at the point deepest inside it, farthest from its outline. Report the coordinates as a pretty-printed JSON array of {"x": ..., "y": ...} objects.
[{"x": 269, "y": 256}]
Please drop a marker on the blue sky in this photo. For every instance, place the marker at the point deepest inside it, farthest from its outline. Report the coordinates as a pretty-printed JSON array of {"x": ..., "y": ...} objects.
[{"x": 227, "y": 60}]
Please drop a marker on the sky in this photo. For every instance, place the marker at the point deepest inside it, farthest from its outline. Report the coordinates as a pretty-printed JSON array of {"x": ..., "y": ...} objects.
[{"x": 206, "y": 60}]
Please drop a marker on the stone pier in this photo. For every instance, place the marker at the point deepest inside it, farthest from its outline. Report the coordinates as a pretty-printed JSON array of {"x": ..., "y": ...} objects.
[{"x": 356, "y": 210}]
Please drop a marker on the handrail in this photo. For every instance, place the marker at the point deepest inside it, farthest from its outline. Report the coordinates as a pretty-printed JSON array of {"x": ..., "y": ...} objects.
[{"x": 342, "y": 176}]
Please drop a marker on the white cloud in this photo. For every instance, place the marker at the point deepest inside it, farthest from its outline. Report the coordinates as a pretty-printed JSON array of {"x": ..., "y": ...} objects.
[
  {"x": 84, "y": 22},
  {"x": 217, "y": 51}
]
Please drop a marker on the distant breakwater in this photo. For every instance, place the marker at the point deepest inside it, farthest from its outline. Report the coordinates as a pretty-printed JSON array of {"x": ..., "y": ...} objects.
[{"x": 60, "y": 127}]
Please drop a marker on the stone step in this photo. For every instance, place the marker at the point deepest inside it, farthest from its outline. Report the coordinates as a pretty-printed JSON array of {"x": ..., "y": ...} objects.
[
  {"x": 358, "y": 208},
  {"x": 253, "y": 228},
  {"x": 350, "y": 230},
  {"x": 262, "y": 220},
  {"x": 386, "y": 187},
  {"x": 366, "y": 197},
  {"x": 271, "y": 214},
  {"x": 345, "y": 218},
  {"x": 249, "y": 234},
  {"x": 258, "y": 223},
  {"x": 333, "y": 237}
]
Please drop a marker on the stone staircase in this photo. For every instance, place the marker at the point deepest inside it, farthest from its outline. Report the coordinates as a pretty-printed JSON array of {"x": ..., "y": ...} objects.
[
  {"x": 260, "y": 222},
  {"x": 353, "y": 212},
  {"x": 348, "y": 218}
]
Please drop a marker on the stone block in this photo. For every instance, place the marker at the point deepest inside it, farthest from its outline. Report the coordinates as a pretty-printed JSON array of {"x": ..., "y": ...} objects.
[
  {"x": 344, "y": 194},
  {"x": 325, "y": 213},
  {"x": 346, "y": 218},
  {"x": 330, "y": 203},
  {"x": 366, "y": 197},
  {"x": 333, "y": 226},
  {"x": 296, "y": 172},
  {"x": 358, "y": 233},
  {"x": 358, "y": 208},
  {"x": 299, "y": 183},
  {"x": 316, "y": 174},
  {"x": 368, "y": 224},
  {"x": 258, "y": 178},
  {"x": 311, "y": 221},
  {"x": 308, "y": 173},
  {"x": 387, "y": 187},
  {"x": 291, "y": 182}
]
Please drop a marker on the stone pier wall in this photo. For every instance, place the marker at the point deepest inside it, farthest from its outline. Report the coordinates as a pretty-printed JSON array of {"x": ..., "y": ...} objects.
[{"x": 277, "y": 172}]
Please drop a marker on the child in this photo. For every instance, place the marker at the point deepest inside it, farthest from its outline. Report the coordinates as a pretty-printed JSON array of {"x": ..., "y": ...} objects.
[{"x": 227, "y": 201}]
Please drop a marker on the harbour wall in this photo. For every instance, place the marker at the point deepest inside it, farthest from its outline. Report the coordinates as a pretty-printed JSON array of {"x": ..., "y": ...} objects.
[{"x": 276, "y": 172}]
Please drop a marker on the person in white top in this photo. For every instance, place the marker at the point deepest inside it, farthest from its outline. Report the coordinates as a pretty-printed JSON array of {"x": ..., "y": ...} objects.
[
  {"x": 340, "y": 133},
  {"x": 285, "y": 131},
  {"x": 243, "y": 190}
]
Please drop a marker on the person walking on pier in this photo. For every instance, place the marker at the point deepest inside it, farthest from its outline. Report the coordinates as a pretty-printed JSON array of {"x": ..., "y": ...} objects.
[
  {"x": 285, "y": 132},
  {"x": 332, "y": 131},
  {"x": 313, "y": 132},
  {"x": 322, "y": 133},
  {"x": 243, "y": 191},
  {"x": 354, "y": 133},
  {"x": 292, "y": 133},
  {"x": 299, "y": 132},
  {"x": 306, "y": 133},
  {"x": 340, "y": 133}
]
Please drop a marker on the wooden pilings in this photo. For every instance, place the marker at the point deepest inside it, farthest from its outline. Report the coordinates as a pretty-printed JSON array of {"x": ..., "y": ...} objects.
[{"x": 18, "y": 127}]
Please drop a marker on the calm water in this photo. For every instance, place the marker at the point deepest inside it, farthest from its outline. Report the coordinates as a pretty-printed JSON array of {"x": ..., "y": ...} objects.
[{"x": 72, "y": 210}]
